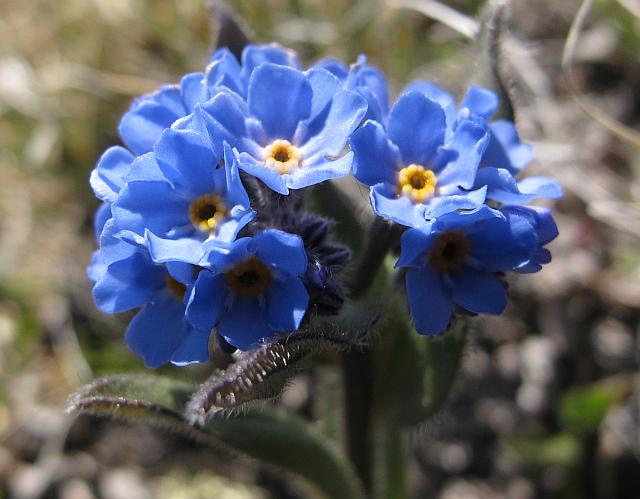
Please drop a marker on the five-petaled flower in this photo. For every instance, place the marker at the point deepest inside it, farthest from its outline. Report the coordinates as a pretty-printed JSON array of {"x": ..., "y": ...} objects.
[
  {"x": 414, "y": 167},
  {"x": 454, "y": 260},
  {"x": 251, "y": 290},
  {"x": 292, "y": 129}
]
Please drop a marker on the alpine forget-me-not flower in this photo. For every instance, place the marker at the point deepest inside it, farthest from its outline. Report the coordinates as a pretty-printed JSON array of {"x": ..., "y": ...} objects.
[
  {"x": 454, "y": 260},
  {"x": 414, "y": 166},
  {"x": 251, "y": 290}
]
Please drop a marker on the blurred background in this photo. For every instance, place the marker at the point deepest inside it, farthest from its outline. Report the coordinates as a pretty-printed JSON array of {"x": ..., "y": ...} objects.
[{"x": 548, "y": 401}]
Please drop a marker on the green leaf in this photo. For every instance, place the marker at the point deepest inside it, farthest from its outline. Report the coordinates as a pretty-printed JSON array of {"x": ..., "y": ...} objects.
[
  {"x": 267, "y": 435},
  {"x": 152, "y": 400},
  {"x": 415, "y": 372},
  {"x": 285, "y": 441}
]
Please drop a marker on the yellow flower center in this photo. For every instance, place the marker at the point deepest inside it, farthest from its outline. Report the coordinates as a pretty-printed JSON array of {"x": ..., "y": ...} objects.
[
  {"x": 207, "y": 212},
  {"x": 417, "y": 183},
  {"x": 449, "y": 252},
  {"x": 249, "y": 277},
  {"x": 282, "y": 156}
]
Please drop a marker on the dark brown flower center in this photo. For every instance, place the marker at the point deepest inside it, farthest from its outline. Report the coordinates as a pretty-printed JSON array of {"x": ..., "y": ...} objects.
[
  {"x": 450, "y": 251},
  {"x": 249, "y": 277},
  {"x": 207, "y": 212}
]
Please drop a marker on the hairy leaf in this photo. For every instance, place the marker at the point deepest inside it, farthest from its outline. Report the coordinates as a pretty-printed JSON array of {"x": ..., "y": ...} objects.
[
  {"x": 285, "y": 441},
  {"x": 267, "y": 435}
]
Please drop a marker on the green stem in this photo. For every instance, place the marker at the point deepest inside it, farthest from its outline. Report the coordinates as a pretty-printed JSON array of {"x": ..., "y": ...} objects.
[
  {"x": 394, "y": 450},
  {"x": 358, "y": 399}
]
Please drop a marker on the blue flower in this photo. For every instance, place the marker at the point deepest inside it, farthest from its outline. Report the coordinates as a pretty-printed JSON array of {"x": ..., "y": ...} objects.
[
  {"x": 505, "y": 157},
  {"x": 292, "y": 129},
  {"x": 366, "y": 80},
  {"x": 225, "y": 72},
  {"x": 142, "y": 125},
  {"x": 183, "y": 192},
  {"x": 415, "y": 167},
  {"x": 126, "y": 278},
  {"x": 454, "y": 260},
  {"x": 252, "y": 290}
]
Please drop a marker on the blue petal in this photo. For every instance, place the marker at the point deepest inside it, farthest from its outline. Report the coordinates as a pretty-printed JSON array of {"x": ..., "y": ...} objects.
[
  {"x": 464, "y": 219},
  {"x": 478, "y": 291},
  {"x": 414, "y": 244},
  {"x": 324, "y": 86},
  {"x": 245, "y": 324},
  {"x": 505, "y": 149},
  {"x": 319, "y": 172},
  {"x": 441, "y": 205},
  {"x": 194, "y": 348},
  {"x": 113, "y": 247},
  {"x": 287, "y": 302},
  {"x": 335, "y": 66},
  {"x": 168, "y": 250},
  {"x": 128, "y": 284},
  {"x": 145, "y": 167},
  {"x": 102, "y": 215},
  {"x": 184, "y": 273},
  {"x": 96, "y": 268},
  {"x": 229, "y": 229},
  {"x": 206, "y": 300},
  {"x": 142, "y": 125},
  {"x": 540, "y": 218},
  {"x": 193, "y": 89},
  {"x": 224, "y": 71},
  {"x": 225, "y": 119},
  {"x": 151, "y": 205},
  {"x": 236, "y": 194},
  {"x": 187, "y": 160},
  {"x": 280, "y": 97},
  {"x": 375, "y": 159},
  {"x": 281, "y": 250},
  {"x": 437, "y": 94},
  {"x": 108, "y": 177},
  {"x": 370, "y": 82},
  {"x": 400, "y": 209},
  {"x": 255, "y": 55},
  {"x": 540, "y": 187},
  {"x": 502, "y": 244},
  {"x": 157, "y": 330},
  {"x": 270, "y": 177},
  {"x": 469, "y": 140},
  {"x": 417, "y": 126},
  {"x": 480, "y": 101},
  {"x": 429, "y": 301},
  {"x": 219, "y": 256},
  {"x": 502, "y": 186}
]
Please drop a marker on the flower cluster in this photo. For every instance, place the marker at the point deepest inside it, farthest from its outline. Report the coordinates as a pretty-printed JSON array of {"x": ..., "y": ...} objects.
[
  {"x": 449, "y": 174},
  {"x": 203, "y": 224}
]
